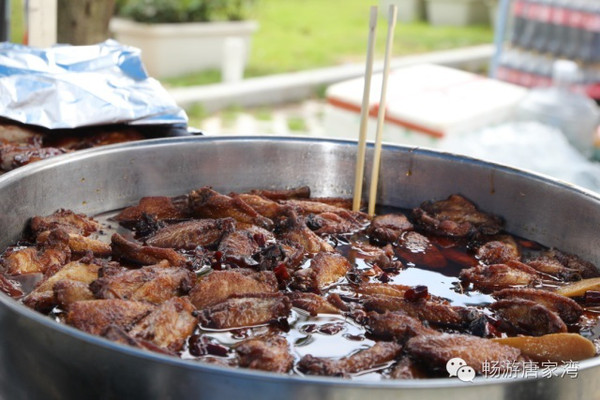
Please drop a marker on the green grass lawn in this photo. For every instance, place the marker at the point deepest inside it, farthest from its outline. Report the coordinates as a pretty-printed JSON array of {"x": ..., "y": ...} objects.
[{"x": 296, "y": 35}]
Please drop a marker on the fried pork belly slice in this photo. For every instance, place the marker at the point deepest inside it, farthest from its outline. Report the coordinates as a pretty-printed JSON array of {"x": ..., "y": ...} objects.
[
  {"x": 488, "y": 278},
  {"x": 79, "y": 244},
  {"x": 382, "y": 257},
  {"x": 312, "y": 303},
  {"x": 218, "y": 286},
  {"x": 456, "y": 216},
  {"x": 417, "y": 249},
  {"x": 67, "y": 220},
  {"x": 406, "y": 368},
  {"x": 168, "y": 325},
  {"x": 123, "y": 249},
  {"x": 267, "y": 353},
  {"x": 95, "y": 316},
  {"x": 324, "y": 269},
  {"x": 10, "y": 287},
  {"x": 396, "y": 326},
  {"x": 434, "y": 312},
  {"x": 264, "y": 206},
  {"x": 44, "y": 297},
  {"x": 528, "y": 317},
  {"x": 499, "y": 251},
  {"x": 68, "y": 291},
  {"x": 190, "y": 234},
  {"x": 246, "y": 310},
  {"x": 279, "y": 254},
  {"x": 239, "y": 246},
  {"x": 321, "y": 217},
  {"x": 380, "y": 353},
  {"x": 45, "y": 259},
  {"x": 302, "y": 192},
  {"x": 388, "y": 228},
  {"x": 434, "y": 351},
  {"x": 16, "y": 155},
  {"x": 563, "y": 265},
  {"x": 293, "y": 229},
  {"x": 207, "y": 203},
  {"x": 329, "y": 223},
  {"x": 567, "y": 309},
  {"x": 159, "y": 207},
  {"x": 118, "y": 335},
  {"x": 153, "y": 283}
]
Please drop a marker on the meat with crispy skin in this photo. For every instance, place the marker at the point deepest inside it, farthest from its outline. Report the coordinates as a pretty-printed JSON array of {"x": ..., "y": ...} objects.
[
  {"x": 190, "y": 234},
  {"x": 262, "y": 205},
  {"x": 434, "y": 351},
  {"x": 153, "y": 283},
  {"x": 67, "y": 220},
  {"x": 563, "y": 265},
  {"x": 312, "y": 303},
  {"x": 29, "y": 260},
  {"x": 499, "y": 251},
  {"x": 159, "y": 207},
  {"x": 123, "y": 249},
  {"x": 396, "y": 326},
  {"x": 406, "y": 368},
  {"x": 456, "y": 216},
  {"x": 301, "y": 192},
  {"x": 44, "y": 297},
  {"x": 528, "y": 317},
  {"x": 568, "y": 309},
  {"x": 68, "y": 291},
  {"x": 168, "y": 325},
  {"x": 488, "y": 278},
  {"x": 434, "y": 312},
  {"x": 207, "y": 203},
  {"x": 246, "y": 310},
  {"x": 78, "y": 243},
  {"x": 292, "y": 228},
  {"x": 239, "y": 246},
  {"x": 380, "y": 353},
  {"x": 387, "y": 289},
  {"x": 218, "y": 286},
  {"x": 267, "y": 353},
  {"x": 388, "y": 228},
  {"x": 94, "y": 316},
  {"x": 16, "y": 155},
  {"x": 324, "y": 269}
]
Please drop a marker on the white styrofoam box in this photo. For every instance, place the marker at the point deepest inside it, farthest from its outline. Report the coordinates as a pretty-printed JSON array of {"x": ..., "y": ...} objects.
[
  {"x": 424, "y": 104},
  {"x": 457, "y": 12}
]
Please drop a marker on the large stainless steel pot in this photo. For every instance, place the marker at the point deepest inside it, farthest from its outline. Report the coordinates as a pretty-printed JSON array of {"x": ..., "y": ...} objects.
[{"x": 42, "y": 359}]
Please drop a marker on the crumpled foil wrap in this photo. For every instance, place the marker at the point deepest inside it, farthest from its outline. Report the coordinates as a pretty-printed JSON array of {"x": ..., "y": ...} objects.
[{"x": 68, "y": 86}]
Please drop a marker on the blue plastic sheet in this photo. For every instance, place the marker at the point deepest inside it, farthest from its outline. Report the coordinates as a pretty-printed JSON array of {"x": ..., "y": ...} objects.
[{"x": 74, "y": 86}]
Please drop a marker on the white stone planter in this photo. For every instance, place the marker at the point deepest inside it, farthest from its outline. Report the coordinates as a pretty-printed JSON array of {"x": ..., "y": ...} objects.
[
  {"x": 457, "y": 12},
  {"x": 176, "y": 49}
]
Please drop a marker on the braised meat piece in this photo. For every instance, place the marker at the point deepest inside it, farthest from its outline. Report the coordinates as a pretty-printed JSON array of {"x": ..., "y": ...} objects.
[
  {"x": 312, "y": 303},
  {"x": 67, "y": 220},
  {"x": 292, "y": 228},
  {"x": 68, "y": 291},
  {"x": 387, "y": 289},
  {"x": 168, "y": 325},
  {"x": 417, "y": 249},
  {"x": 406, "y": 368},
  {"x": 528, "y": 317},
  {"x": 568, "y": 310},
  {"x": 16, "y": 155},
  {"x": 396, "y": 326},
  {"x": 434, "y": 312},
  {"x": 153, "y": 283},
  {"x": 388, "y": 228},
  {"x": 44, "y": 297},
  {"x": 488, "y": 278},
  {"x": 218, "y": 286},
  {"x": 95, "y": 316},
  {"x": 46, "y": 258},
  {"x": 10, "y": 287},
  {"x": 382, "y": 257},
  {"x": 434, "y": 351},
  {"x": 79, "y": 244},
  {"x": 239, "y": 246},
  {"x": 324, "y": 269},
  {"x": 563, "y": 265},
  {"x": 118, "y": 335},
  {"x": 329, "y": 223},
  {"x": 262, "y": 205},
  {"x": 246, "y": 310},
  {"x": 123, "y": 249},
  {"x": 302, "y": 192},
  {"x": 456, "y": 216},
  {"x": 191, "y": 234},
  {"x": 206, "y": 203},
  {"x": 379, "y": 354},
  {"x": 499, "y": 251},
  {"x": 266, "y": 353},
  {"x": 159, "y": 207}
]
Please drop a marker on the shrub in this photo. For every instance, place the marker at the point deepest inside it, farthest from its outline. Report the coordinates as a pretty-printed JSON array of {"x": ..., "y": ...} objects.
[{"x": 169, "y": 11}]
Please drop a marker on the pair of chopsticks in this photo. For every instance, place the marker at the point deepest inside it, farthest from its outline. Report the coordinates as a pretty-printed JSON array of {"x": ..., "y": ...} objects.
[{"x": 364, "y": 117}]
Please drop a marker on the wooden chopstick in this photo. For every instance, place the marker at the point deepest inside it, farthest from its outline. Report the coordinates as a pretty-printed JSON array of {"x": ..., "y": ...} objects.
[
  {"x": 364, "y": 114},
  {"x": 381, "y": 113}
]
